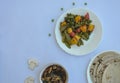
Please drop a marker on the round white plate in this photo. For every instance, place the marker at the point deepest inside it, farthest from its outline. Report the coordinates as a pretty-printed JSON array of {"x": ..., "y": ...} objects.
[
  {"x": 89, "y": 45},
  {"x": 108, "y": 71}
]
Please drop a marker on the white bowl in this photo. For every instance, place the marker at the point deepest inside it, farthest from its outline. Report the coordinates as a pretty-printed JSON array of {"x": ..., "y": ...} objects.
[
  {"x": 41, "y": 73},
  {"x": 89, "y": 45}
]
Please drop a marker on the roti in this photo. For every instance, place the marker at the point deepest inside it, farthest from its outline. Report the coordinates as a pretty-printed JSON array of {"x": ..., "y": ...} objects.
[{"x": 105, "y": 68}]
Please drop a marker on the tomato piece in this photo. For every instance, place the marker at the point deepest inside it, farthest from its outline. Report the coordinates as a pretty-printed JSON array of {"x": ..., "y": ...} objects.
[
  {"x": 87, "y": 16},
  {"x": 72, "y": 34},
  {"x": 78, "y": 30}
]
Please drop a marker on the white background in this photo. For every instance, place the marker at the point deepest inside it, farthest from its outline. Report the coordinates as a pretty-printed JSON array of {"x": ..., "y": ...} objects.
[{"x": 24, "y": 29}]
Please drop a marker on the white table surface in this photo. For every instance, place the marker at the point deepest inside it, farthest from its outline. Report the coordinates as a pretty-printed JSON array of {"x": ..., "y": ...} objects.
[{"x": 24, "y": 29}]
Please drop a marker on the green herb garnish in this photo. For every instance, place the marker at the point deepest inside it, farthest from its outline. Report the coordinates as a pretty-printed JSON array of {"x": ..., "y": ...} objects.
[
  {"x": 85, "y": 3},
  {"x": 61, "y": 9},
  {"x": 52, "y": 20},
  {"x": 73, "y": 3},
  {"x": 49, "y": 34}
]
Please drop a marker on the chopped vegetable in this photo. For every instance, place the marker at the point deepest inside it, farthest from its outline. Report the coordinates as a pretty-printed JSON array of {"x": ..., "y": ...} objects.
[
  {"x": 73, "y": 41},
  {"x": 83, "y": 28},
  {"x": 72, "y": 34},
  {"x": 77, "y": 19},
  {"x": 87, "y": 16},
  {"x": 80, "y": 42},
  {"x": 77, "y": 37},
  {"x": 76, "y": 28},
  {"x": 68, "y": 38},
  {"x": 63, "y": 23},
  {"x": 85, "y": 36},
  {"x": 90, "y": 27},
  {"x": 69, "y": 30}
]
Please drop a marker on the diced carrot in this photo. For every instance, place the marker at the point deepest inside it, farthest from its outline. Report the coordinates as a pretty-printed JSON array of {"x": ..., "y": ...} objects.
[
  {"x": 73, "y": 41},
  {"x": 77, "y": 37},
  {"x": 63, "y": 23},
  {"x": 69, "y": 30},
  {"x": 83, "y": 28},
  {"x": 91, "y": 27},
  {"x": 77, "y": 19}
]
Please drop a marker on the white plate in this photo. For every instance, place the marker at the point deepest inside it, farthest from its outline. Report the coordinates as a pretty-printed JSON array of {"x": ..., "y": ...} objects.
[
  {"x": 108, "y": 71},
  {"x": 89, "y": 45}
]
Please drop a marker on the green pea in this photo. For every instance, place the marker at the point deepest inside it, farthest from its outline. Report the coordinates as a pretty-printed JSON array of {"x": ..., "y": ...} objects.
[
  {"x": 52, "y": 20},
  {"x": 49, "y": 34},
  {"x": 62, "y": 9},
  {"x": 85, "y": 3},
  {"x": 73, "y": 3}
]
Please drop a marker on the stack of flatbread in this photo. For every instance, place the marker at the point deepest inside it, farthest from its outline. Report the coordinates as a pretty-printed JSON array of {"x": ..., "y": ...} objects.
[{"x": 105, "y": 68}]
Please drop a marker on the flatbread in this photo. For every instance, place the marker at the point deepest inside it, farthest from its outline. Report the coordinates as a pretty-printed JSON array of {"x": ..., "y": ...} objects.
[
  {"x": 112, "y": 73},
  {"x": 102, "y": 65}
]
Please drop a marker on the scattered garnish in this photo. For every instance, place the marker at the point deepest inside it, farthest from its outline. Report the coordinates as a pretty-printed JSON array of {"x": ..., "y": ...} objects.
[
  {"x": 52, "y": 20},
  {"x": 85, "y": 3},
  {"x": 49, "y": 34},
  {"x": 73, "y": 3},
  {"x": 62, "y": 9}
]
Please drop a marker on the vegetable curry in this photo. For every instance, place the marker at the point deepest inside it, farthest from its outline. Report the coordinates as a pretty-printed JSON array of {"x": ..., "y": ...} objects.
[{"x": 76, "y": 28}]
